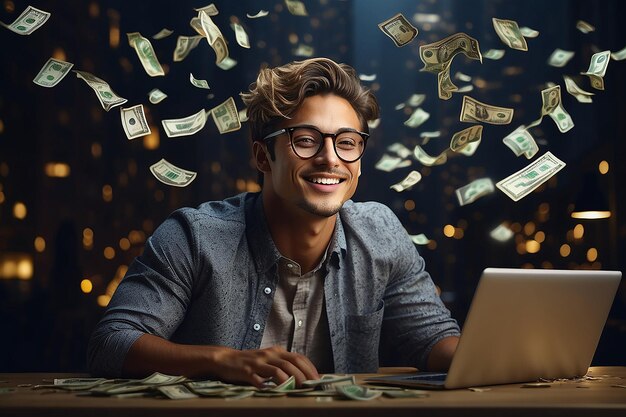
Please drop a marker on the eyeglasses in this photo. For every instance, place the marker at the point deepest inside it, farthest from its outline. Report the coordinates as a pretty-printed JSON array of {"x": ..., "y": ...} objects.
[{"x": 307, "y": 141}]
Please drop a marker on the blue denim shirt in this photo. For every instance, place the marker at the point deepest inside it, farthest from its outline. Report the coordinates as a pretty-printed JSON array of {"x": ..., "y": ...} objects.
[{"x": 207, "y": 276}]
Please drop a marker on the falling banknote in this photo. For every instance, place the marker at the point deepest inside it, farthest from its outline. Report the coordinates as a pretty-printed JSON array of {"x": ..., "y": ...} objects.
[
  {"x": 134, "y": 122},
  {"x": 524, "y": 181},
  {"x": 172, "y": 175},
  {"x": 510, "y": 34},
  {"x": 474, "y": 190},
  {"x": 29, "y": 21},
  {"x": 108, "y": 98},
  {"x": 399, "y": 29},
  {"x": 146, "y": 54},
  {"x": 52, "y": 72},
  {"x": 474, "y": 111},
  {"x": 226, "y": 116},
  {"x": 185, "y": 126},
  {"x": 413, "y": 178}
]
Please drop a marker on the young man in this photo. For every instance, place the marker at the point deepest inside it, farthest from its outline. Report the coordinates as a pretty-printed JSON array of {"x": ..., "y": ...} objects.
[{"x": 295, "y": 280}]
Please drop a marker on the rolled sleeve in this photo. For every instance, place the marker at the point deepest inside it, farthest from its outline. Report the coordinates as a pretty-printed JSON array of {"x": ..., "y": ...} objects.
[{"x": 152, "y": 298}]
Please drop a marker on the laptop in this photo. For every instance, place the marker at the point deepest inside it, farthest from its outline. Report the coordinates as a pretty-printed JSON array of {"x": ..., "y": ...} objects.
[{"x": 525, "y": 324}]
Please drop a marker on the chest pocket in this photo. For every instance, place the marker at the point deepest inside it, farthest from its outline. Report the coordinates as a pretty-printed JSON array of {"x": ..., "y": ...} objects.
[{"x": 363, "y": 337}]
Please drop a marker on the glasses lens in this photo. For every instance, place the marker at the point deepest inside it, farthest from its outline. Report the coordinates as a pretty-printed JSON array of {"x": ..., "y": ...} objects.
[
  {"x": 349, "y": 146},
  {"x": 306, "y": 141}
]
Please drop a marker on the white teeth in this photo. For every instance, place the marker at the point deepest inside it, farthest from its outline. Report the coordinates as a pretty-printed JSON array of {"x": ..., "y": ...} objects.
[{"x": 326, "y": 181}]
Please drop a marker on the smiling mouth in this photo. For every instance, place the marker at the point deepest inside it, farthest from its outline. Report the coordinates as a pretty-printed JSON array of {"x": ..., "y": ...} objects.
[{"x": 325, "y": 181}]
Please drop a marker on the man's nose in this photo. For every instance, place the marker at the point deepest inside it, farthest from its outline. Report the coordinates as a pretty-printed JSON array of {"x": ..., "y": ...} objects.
[{"x": 327, "y": 153}]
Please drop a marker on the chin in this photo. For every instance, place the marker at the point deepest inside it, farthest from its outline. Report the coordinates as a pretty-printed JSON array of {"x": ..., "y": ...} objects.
[{"x": 324, "y": 210}]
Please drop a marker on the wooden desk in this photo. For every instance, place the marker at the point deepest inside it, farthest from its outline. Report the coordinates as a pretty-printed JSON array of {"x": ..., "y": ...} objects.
[{"x": 589, "y": 398}]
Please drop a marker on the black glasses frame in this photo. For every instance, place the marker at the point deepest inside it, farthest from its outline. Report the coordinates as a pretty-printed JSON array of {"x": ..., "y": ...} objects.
[{"x": 289, "y": 131}]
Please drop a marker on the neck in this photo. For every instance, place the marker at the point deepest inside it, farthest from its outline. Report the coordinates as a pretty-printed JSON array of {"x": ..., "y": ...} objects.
[{"x": 300, "y": 236}]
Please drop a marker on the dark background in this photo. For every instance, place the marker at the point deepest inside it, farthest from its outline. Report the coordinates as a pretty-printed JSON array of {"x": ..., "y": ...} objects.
[{"x": 89, "y": 225}]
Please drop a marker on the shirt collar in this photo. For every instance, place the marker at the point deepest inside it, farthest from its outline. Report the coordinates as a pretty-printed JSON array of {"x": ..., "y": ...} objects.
[{"x": 264, "y": 251}]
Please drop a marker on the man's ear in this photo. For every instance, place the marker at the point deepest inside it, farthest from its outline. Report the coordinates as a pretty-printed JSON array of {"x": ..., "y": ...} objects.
[{"x": 261, "y": 157}]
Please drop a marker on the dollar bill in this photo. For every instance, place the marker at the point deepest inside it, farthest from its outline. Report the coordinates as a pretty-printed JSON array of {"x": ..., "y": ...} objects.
[
  {"x": 409, "y": 181},
  {"x": 474, "y": 190},
  {"x": 524, "y": 181},
  {"x": 521, "y": 142},
  {"x": 52, "y": 72},
  {"x": 243, "y": 115},
  {"x": 197, "y": 26},
  {"x": 226, "y": 116},
  {"x": 597, "y": 69},
  {"x": 550, "y": 99},
  {"x": 399, "y": 149},
  {"x": 184, "y": 45},
  {"x": 470, "y": 148},
  {"x": 367, "y": 77},
  {"x": 428, "y": 160},
  {"x": 28, "y": 21},
  {"x": 176, "y": 392},
  {"x": 198, "y": 83},
  {"x": 501, "y": 233},
  {"x": 559, "y": 58},
  {"x": 373, "y": 124},
  {"x": 162, "y": 34},
  {"x": 420, "y": 239},
  {"x": 357, "y": 392},
  {"x": 562, "y": 119},
  {"x": 303, "y": 51},
  {"x": 510, "y": 34},
  {"x": 417, "y": 118},
  {"x": 214, "y": 37},
  {"x": 581, "y": 95},
  {"x": 552, "y": 106},
  {"x": 261, "y": 13},
  {"x": 438, "y": 55},
  {"x": 185, "y": 126},
  {"x": 170, "y": 174},
  {"x": 619, "y": 55},
  {"x": 296, "y": 7},
  {"x": 227, "y": 63},
  {"x": 464, "y": 137},
  {"x": 445, "y": 86},
  {"x": 415, "y": 100},
  {"x": 389, "y": 163},
  {"x": 584, "y": 27},
  {"x": 474, "y": 111},
  {"x": 465, "y": 89},
  {"x": 398, "y": 29},
  {"x": 134, "y": 122},
  {"x": 155, "y": 96},
  {"x": 240, "y": 35},
  {"x": 108, "y": 98},
  {"x": 462, "y": 77},
  {"x": 146, "y": 54},
  {"x": 494, "y": 54},
  {"x": 211, "y": 10},
  {"x": 528, "y": 32}
]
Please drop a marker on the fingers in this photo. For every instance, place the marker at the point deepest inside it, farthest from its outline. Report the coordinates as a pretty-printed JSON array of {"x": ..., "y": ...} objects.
[
  {"x": 293, "y": 364},
  {"x": 257, "y": 366}
]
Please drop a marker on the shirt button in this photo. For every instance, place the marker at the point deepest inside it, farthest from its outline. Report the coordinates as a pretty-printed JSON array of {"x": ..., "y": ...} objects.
[
  {"x": 299, "y": 323},
  {"x": 267, "y": 290},
  {"x": 256, "y": 327},
  {"x": 289, "y": 265}
]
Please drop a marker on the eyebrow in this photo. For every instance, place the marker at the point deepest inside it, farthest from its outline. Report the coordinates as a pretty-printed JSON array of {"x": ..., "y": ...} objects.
[{"x": 341, "y": 129}]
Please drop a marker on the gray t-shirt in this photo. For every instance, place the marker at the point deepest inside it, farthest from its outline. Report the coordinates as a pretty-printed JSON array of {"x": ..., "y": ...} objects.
[{"x": 207, "y": 276}]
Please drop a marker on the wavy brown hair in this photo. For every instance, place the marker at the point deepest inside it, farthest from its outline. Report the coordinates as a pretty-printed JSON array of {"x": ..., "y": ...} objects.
[{"x": 278, "y": 92}]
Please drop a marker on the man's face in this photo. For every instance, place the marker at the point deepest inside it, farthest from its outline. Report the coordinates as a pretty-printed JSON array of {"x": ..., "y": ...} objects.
[{"x": 321, "y": 184}]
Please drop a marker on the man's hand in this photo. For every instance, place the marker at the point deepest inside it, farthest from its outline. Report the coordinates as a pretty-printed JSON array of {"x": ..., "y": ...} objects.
[{"x": 258, "y": 366}]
